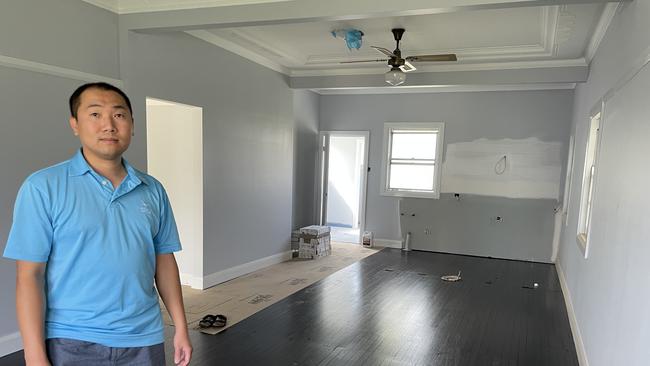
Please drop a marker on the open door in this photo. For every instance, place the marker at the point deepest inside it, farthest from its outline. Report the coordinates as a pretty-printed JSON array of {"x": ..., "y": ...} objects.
[{"x": 343, "y": 173}]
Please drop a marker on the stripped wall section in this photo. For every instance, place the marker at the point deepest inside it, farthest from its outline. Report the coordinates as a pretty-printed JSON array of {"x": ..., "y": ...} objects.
[{"x": 525, "y": 168}]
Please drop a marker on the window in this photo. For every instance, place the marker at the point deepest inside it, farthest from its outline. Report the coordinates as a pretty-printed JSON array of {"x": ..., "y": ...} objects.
[
  {"x": 588, "y": 182},
  {"x": 568, "y": 182},
  {"x": 412, "y": 154}
]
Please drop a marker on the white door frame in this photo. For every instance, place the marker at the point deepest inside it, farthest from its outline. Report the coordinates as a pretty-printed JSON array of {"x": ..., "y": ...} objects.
[{"x": 322, "y": 175}]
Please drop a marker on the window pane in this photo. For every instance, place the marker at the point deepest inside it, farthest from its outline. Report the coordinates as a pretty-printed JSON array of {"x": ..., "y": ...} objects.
[
  {"x": 415, "y": 177},
  {"x": 414, "y": 146}
]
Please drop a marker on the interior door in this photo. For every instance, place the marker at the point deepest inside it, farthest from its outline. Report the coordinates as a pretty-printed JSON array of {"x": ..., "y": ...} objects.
[{"x": 343, "y": 157}]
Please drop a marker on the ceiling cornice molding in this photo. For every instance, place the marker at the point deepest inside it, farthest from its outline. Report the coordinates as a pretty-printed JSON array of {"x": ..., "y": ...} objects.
[
  {"x": 514, "y": 65},
  {"x": 601, "y": 28},
  {"x": 546, "y": 48},
  {"x": 135, "y": 6},
  {"x": 22, "y": 64},
  {"x": 273, "y": 50},
  {"x": 547, "y": 75},
  {"x": 239, "y": 50},
  {"x": 110, "y": 5},
  {"x": 550, "y": 16},
  {"x": 464, "y": 54},
  {"x": 444, "y": 89}
]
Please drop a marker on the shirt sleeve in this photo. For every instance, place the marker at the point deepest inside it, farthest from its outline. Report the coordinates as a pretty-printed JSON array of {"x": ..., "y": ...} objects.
[
  {"x": 30, "y": 238},
  {"x": 166, "y": 240}
]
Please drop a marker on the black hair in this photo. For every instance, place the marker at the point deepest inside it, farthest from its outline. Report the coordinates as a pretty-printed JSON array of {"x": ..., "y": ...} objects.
[{"x": 75, "y": 98}]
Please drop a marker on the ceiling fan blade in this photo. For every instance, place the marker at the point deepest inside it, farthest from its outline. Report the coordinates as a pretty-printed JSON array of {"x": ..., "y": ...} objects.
[
  {"x": 385, "y": 51},
  {"x": 424, "y": 58},
  {"x": 407, "y": 67},
  {"x": 359, "y": 61}
]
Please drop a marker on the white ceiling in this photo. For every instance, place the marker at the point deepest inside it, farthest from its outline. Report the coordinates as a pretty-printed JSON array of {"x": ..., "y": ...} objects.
[
  {"x": 495, "y": 35},
  {"x": 478, "y": 37}
]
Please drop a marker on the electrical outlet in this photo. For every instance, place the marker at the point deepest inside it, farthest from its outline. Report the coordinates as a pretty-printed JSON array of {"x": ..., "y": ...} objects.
[{"x": 498, "y": 219}]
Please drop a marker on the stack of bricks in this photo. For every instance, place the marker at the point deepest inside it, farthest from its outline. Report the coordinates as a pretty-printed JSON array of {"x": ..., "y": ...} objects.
[{"x": 314, "y": 242}]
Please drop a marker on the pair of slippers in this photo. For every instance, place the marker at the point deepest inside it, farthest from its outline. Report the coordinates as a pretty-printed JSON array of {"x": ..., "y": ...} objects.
[{"x": 217, "y": 321}]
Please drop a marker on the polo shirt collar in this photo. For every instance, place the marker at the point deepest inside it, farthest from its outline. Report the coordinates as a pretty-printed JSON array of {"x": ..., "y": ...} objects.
[{"x": 79, "y": 166}]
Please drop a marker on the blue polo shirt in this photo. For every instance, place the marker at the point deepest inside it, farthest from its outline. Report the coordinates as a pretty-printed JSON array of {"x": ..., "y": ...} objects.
[{"x": 100, "y": 245}]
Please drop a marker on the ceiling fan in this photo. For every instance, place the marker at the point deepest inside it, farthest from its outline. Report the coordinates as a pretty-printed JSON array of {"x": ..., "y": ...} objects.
[{"x": 398, "y": 65}]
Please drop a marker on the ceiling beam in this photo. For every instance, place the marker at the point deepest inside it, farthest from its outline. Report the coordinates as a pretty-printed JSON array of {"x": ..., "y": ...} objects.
[
  {"x": 567, "y": 74},
  {"x": 301, "y": 11}
]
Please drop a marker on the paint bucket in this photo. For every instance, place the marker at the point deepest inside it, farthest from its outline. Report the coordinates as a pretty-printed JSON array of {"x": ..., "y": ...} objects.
[{"x": 367, "y": 240}]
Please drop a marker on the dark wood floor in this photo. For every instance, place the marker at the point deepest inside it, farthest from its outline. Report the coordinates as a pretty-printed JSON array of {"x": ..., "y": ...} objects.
[{"x": 392, "y": 309}]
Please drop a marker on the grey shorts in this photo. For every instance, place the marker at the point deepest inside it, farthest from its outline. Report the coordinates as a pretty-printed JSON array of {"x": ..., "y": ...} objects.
[{"x": 72, "y": 352}]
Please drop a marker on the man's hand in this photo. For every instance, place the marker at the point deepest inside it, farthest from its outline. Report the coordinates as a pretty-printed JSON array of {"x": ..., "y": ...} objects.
[
  {"x": 182, "y": 349},
  {"x": 169, "y": 287},
  {"x": 29, "y": 311}
]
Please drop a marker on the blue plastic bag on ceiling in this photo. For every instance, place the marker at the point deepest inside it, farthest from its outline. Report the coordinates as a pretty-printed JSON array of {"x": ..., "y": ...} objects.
[{"x": 351, "y": 36}]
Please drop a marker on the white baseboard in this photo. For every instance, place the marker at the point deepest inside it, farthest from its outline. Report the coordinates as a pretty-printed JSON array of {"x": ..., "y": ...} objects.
[
  {"x": 10, "y": 344},
  {"x": 192, "y": 281},
  {"x": 573, "y": 321},
  {"x": 242, "y": 269},
  {"x": 388, "y": 243}
]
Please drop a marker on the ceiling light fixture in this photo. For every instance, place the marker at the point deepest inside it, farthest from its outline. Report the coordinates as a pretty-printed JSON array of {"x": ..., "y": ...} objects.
[{"x": 395, "y": 76}]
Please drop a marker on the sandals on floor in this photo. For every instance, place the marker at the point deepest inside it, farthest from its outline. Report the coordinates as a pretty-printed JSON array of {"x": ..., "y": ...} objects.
[{"x": 210, "y": 320}]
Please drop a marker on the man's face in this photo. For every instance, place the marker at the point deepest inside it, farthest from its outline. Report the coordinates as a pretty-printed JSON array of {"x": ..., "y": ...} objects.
[{"x": 104, "y": 124}]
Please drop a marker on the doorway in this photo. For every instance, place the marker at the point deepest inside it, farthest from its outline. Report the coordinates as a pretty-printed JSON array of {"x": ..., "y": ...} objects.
[
  {"x": 343, "y": 180},
  {"x": 175, "y": 158}
]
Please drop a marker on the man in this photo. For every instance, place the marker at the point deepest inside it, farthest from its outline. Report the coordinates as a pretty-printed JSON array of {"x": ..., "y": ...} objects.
[{"x": 90, "y": 236}]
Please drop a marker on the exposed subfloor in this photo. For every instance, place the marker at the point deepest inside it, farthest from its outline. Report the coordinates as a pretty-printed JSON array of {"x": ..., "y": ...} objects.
[{"x": 241, "y": 297}]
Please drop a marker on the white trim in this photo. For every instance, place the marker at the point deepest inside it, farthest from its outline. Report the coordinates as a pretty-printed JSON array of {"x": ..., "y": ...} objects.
[
  {"x": 557, "y": 233},
  {"x": 10, "y": 343},
  {"x": 323, "y": 155},
  {"x": 601, "y": 28},
  {"x": 451, "y": 67},
  {"x": 573, "y": 321},
  {"x": 464, "y": 54},
  {"x": 550, "y": 16},
  {"x": 568, "y": 180},
  {"x": 444, "y": 88},
  {"x": 589, "y": 180},
  {"x": 22, "y": 64},
  {"x": 110, "y": 5},
  {"x": 238, "y": 50},
  {"x": 388, "y": 243},
  {"x": 195, "y": 282},
  {"x": 146, "y": 6},
  {"x": 242, "y": 269},
  {"x": 439, "y": 128},
  {"x": 246, "y": 37}
]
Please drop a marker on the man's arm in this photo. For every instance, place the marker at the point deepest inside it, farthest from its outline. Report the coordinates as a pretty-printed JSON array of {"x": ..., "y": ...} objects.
[
  {"x": 169, "y": 287},
  {"x": 29, "y": 308}
]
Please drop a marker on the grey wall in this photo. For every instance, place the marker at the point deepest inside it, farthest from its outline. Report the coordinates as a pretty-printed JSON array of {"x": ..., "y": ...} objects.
[
  {"x": 305, "y": 157},
  {"x": 545, "y": 115},
  {"x": 609, "y": 289},
  {"x": 34, "y": 119},
  {"x": 248, "y": 139},
  {"x": 65, "y": 33},
  {"x": 469, "y": 226}
]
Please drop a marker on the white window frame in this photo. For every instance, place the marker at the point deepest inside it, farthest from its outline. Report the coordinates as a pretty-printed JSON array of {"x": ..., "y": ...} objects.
[
  {"x": 438, "y": 127},
  {"x": 568, "y": 181},
  {"x": 589, "y": 178}
]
